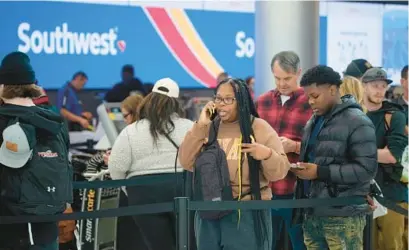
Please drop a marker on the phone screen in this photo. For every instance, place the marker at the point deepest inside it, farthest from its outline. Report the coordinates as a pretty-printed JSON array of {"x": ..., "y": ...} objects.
[{"x": 296, "y": 166}]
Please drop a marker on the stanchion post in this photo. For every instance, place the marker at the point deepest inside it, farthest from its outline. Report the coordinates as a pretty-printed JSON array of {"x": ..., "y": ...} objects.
[{"x": 182, "y": 220}]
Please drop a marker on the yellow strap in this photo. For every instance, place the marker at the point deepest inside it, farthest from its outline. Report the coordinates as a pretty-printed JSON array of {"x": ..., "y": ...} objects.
[{"x": 240, "y": 181}]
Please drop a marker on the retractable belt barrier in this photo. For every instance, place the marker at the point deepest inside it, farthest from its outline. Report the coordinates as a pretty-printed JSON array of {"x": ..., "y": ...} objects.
[
  {"x": 181, "y": 206},
  {"x": 170, "y": 206},
  {"x": 192, "y": 205},
  {"x": 141, "y": 181},
  {"x": 149, "y": 180}
]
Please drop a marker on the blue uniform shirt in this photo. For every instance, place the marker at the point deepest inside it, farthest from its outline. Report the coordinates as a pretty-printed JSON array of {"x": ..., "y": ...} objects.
[{"x": 67, "y": 98}]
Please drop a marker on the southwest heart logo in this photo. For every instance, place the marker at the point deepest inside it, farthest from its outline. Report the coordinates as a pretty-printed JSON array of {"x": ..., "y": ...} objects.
[
  {"x": 180, "y": 36},
  {"x": 121, "y": 45}
]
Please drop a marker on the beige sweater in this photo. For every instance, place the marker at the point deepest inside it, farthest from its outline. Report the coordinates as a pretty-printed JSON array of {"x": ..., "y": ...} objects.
[{"x": 273, "y": 168}]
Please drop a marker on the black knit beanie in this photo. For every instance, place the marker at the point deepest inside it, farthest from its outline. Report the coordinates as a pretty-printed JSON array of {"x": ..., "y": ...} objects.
[{"x": 15, "y": 69}]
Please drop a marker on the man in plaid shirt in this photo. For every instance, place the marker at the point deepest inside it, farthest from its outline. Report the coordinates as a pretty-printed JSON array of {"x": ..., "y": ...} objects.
[{"x": 287, "y": 110}]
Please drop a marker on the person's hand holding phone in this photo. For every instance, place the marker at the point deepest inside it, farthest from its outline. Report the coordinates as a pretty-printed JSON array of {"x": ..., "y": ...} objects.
[
  {"x": 206, "y": 114},
  {"x": 305, "y": 171},
  {"x": 296, "y": 166}
]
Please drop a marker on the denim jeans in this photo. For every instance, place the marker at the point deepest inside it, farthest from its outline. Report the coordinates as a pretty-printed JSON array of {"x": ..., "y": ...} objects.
[
  {"x": 334, "y": 233},
  {"x": 281, "y": 217},
  {"x": 228, "y": 234}
]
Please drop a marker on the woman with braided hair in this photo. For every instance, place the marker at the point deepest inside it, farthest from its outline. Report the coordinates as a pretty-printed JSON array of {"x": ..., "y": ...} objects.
[{"x": 254, "y": 155}]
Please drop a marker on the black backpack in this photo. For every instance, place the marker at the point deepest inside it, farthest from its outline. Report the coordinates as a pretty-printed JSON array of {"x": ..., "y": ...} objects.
[
  {"x": 44, "y": 185},
  {"x": 211, "y": 174}
]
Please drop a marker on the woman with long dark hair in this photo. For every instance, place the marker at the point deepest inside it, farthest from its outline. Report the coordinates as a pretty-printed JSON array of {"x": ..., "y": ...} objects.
[
  {"x": 263, "y": 160},
  {"x": 148, "y": 148}
]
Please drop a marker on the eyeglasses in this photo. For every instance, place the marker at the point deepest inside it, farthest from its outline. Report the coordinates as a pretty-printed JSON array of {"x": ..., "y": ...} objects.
[{"x": 227, "y": 100}]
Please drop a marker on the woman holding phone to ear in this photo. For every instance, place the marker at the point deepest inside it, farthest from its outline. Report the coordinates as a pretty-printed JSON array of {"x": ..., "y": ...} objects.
[{"x": 263, "y": 160}]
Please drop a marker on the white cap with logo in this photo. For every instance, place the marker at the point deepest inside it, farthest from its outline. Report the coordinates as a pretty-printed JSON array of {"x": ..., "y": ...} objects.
[
  {"x": 166, "y": 86},
  {"x": 16, "y": 148}
]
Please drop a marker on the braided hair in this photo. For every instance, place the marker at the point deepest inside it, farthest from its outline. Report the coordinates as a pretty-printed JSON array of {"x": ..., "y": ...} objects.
[{"x": 246, "y": 110}]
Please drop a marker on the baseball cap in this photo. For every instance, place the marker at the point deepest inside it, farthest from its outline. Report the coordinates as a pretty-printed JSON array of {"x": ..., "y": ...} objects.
[
  {"x": 376, "y": 74},
  {"x": 18, "y": 142},
  {"x": 357, "y": 68},
  {"x": 166, "y": 86}
]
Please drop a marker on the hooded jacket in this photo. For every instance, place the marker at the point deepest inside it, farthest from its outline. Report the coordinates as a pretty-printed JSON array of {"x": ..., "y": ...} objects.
[
  {"x": 346, "y": 156},
  {"x": 44, "y": 121},
  {"x": 396, "y": 141}
]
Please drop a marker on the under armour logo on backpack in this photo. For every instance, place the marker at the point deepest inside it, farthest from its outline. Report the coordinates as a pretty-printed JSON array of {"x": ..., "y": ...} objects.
[{"x": 51, "y": 189}]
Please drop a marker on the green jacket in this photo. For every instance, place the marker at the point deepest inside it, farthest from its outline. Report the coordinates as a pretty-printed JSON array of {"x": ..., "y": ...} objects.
[
  {"x": 402, "y": 102},
  {"x": 395, "y": 140},
  {"x": 50, "y": 107}
]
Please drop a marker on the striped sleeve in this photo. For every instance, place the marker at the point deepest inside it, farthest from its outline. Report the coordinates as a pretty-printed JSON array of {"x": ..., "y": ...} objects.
[{"x": 95, "y": 164}]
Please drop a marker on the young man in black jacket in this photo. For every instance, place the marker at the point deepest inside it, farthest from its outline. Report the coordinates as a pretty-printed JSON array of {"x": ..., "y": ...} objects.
[
  {"x": 17, "y": 89},
  {"x": 338, "y": 157},
  {"x": 390, "y": 121}
]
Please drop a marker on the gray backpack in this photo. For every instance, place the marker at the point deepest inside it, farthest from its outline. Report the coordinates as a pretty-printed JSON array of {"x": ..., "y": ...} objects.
[{"x": 211, "y": 175}]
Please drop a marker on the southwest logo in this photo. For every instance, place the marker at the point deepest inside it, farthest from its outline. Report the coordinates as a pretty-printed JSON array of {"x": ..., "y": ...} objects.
[
  {"x": 121, "y": 45},
  {"x": 62, "y": 41},
  {"x": 187, "y": 47}
]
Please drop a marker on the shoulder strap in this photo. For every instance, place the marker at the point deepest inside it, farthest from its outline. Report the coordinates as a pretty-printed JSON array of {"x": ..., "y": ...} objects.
[
  {"x": 214, "y": 130},
  {"x": 177, "y": 150},
  {"x": 252, "y": 121},
  {"x": 388, "y": 119},
  {"x": 176, "y": 162},
  {"x": 171, "y": 141}
]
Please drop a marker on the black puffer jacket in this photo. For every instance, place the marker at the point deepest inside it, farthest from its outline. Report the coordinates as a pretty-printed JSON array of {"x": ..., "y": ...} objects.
[{"x": 346, "y": 155}]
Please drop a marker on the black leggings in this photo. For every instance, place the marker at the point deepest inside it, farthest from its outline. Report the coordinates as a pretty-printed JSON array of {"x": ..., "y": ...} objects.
[
  {"x": 158, "y": 230},
  {"x": 129, "y": 235}
]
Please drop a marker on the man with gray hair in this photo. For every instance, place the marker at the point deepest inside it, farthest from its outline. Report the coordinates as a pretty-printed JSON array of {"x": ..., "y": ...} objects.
[{"x": 287, "y": 110}]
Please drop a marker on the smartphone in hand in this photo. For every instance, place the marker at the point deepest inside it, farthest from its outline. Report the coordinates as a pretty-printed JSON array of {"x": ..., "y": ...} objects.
[
  {"x": 296, "y": 166},
  {"x": 212, "y": 114}
]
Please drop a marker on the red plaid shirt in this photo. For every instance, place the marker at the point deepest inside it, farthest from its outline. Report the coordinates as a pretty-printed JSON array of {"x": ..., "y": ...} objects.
[{"x": 288, "y": 120}]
